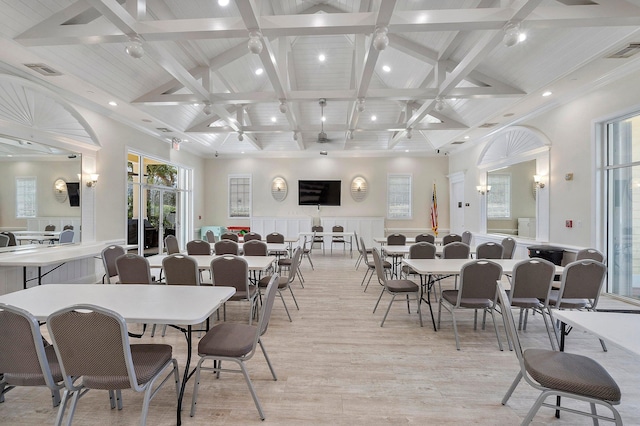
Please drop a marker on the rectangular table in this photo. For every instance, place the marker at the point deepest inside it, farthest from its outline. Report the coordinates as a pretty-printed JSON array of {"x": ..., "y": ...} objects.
[
  {"x": 409, "y": 240},
  {"x": 399, "y": 252},
  {"x": 256, "y": 263},
  {"x": 333, "y": 234},
  {"x": 453, "y": 266},
  {"x": 137, "y": 303}
]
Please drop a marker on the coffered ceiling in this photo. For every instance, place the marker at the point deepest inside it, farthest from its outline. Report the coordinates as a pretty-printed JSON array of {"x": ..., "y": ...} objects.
[{"x": 424, "y": 77}]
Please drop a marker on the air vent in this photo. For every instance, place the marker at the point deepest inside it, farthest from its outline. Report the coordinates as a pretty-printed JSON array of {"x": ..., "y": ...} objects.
[
  {"x": 626, "y": 52},
  {"x": 43, "y": 69},
  {"x": 457, "y": 143},
  {"x": 163, "y": 129},
  {"x": 487, "y": 125}
]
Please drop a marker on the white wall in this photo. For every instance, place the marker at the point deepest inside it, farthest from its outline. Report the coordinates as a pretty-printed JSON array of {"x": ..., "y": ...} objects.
[
  {"x": 570, "y": 128},
  {"x": 424, "y": 171}
]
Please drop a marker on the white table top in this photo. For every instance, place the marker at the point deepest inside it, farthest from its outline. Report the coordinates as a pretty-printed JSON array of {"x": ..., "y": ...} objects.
[
  {"x": 51, "y": 254},
  {"x": 36, "y": 237},
  {"x": 19, "y": 247},
  {"x": 404, "y": 250},
  {"x": 620, "y": 329},
  {"x": 270, "y": 246},
  {"x": 16, "y": 233},
  {"x": 453, "y": 266},
  {"x": 286, "y": 239},
  {"x": 328, "y": 234},
  {"x": 256, "y": 263},
  {"x": 137, "y": 303},
  {"x": 408, "y": 240}
]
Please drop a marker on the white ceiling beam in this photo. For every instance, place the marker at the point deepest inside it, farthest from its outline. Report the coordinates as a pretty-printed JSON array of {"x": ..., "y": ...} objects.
[
  {"x": 309, "y": 128},
  {"x": 137, "y": 9}
]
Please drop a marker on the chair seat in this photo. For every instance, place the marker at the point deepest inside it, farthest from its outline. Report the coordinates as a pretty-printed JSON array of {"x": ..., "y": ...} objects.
[
  {"x": 451, "y": 296},
  {"x": 284, "y": 262},
  {"x": 228, "y": 339},
  {"x": 567, "y": 303},
  {"x": 148, "y": 360},
  {"x": 526, "y": 302},
  {"x": 242, "y": 295},
  {"x": 30, "y": 379},
  {"x": 402, "y": 286},
  {"x": 571, "y": 373},
  {"x": 385, "y": 264},
  {"x": 282, "y": 281}
]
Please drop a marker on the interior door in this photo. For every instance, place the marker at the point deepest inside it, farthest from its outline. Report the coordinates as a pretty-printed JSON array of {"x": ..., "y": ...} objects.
[{"x": 457, "y": 206}]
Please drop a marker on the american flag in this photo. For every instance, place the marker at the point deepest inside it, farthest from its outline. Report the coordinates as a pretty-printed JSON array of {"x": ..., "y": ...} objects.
[{"x": 434, "y": 212}]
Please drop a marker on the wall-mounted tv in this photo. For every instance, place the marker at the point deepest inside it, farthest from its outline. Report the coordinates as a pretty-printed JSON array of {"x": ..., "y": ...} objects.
[
  {"x": 73, "y": 190},
  {"x": 319, "y": 192}
]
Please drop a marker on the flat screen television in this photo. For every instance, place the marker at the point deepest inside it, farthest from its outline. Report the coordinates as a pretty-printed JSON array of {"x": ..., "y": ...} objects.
[
  {"x": 73, "y": 190},
  {"x": 319, "y": 192}
]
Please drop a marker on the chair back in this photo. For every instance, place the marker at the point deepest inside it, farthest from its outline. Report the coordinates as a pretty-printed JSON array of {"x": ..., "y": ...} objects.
[
  {"x": 252, "y": 236},
  {"x": 66, "y": 237},
  {"x": 23, "y": 358},
  {"x": 231, "y": 271},
  {"x": 317, "y": 228},
  {"x": 304, "y": 245},
  {"x": 429, "y": 238},
  {"x": 267, "y": 305},
  {"x": 93, "y": 345},
  {"x": 12, "y": 237},
  {"x": 133, "y": 269},
  {"x": 210, "y": 236},
  {"x": 451, "y": 238},
  {"x": 478, "y": 280},
  {"x": 4, "y": 240},
  {"x": 50, "y": 228},
  {"x": 171, "y": 244},
  {"x": 590, "y": 253},
  {"x": 377, "y": 260},
  {"x": 396, "y": 240},
  {"x": 509, "y": 247},
  {"x": 180, "y": 270},
  {"x": 510, "y": 325},
  {"x": 254, "y": 248},
  {"x": 198, "y": 247},
  {"x": 355, "y": 236},
  {"x": 365, "y": 256},
  {"x": 67, "y": 227},
  {"x": 229, "y": 236},
  {"x": 337, "y": 228},
  {"x": 295, "y": 263},
  {"x": 422, "y": 250},
  {"x": 109, "y": 256},
  {"x": 275, "y": 237},
  {"x": 582, "y": 279},
  {"x": 532, "y": 278},
  {"x": 489, "y": 250},
  {"x": 466, "y": 237},
  {"x": 456, "y": 250},
  {"x": 226, "y": 247}
]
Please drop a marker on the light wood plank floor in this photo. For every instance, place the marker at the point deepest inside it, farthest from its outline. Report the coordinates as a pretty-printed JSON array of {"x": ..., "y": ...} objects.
[{"x": 337, "y": 366}]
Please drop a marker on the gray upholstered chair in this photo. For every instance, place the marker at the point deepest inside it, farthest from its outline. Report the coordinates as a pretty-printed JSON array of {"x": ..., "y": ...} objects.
[
  {"x": 226, "y": 247},
  {"x": 109, "y": 255},
  {"x": 211, "y": 237},
  {"x": 254, "y": 247},
  {"x": 509, "y": 247},
  {"x": 67, "y": 227},
  {"x": 360, "y": 257},
  {"x": 451, "y": 238},
  {"x": 466, "y": 237},
  {"x": 4, "y": 240},
  {"x": 580, "y": 287},
  {"x": 171, "y": 244},
  {"x": 12, "y": 238},
  {"x": 236, "y": 343},
  {"x": 560, "y": 374},
  {"x": 429, "y": 238},
  {"x": 400, "y": 287},
  {"x": 24, "y": 358},
  {"x": 590, "y": 253},
  {"x": 94, "y": 352},
  {"x": 421, "y": 250},
  {"x": 276, "y": 238},
  {"x": 306, "y": 252},
  {"x": 396, "y": 240},
  {"x": 285, "y": 281},
  {"x": 133, "y": 269},
  {"x": 338, "y": 239},
  {"x": 317, "y": 239},
  {"x": 50, "y": 228},
  {"x": 198, "y": 248},
  {"x": 371, "y": 266},
  {"x": 489, "y": 250},
  {"x": 477, "y": 291},
  {"x": 233, "y": 271},
  {"x": 530, "y": 287},
  {"x": 252, "y": 236},
  {"x": 66, "y": 237},
  {"x": 453, "y": 250},
  {"x": 229, "y": 236},
  {"x": 180, "y": 269}
]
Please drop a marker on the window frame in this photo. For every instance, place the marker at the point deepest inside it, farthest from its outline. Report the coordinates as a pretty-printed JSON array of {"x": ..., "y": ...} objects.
[
  {"x": 493, "y": 193},
  {"x": 407, "y": 214},
  {"x": 20, "y": 191},
  {"x": 249, "y": 193}
]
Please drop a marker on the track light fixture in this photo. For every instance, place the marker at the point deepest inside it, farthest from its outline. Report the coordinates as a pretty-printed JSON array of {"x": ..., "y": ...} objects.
[
  {"x": 255, "y": 44},
  {"x": 513, "y": 34},
  {"x": 360, "y": 105},
  {"x": 380, "y": 38},
  {"x": 134, "y": 47},
  {"x": 283, "y": 106},
  {"x": 240, "y": 135},
  {"x": 208, "y": 109}
]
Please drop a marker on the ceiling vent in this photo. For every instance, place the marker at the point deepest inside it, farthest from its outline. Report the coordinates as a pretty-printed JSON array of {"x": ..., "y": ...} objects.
[
  {"x": 457, "y": 143},
  {"x": 626, "y": 52},
  {"x": 487, "y": 125},
  {"x": 43, "y": 69},
  {"x": 163, "y": 129}
]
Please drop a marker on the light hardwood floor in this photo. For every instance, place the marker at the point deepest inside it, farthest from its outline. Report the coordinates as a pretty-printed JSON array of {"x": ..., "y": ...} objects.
[{"x": 337, "y": 366}]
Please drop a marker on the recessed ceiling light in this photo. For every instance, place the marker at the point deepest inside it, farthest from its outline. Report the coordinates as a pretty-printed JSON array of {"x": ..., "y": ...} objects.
[
  {"x": 522, "y": 37},
  {"x": 241, "y": 152},
  {"x": 113, "y": 103},
  {"x": 259, "y": 71},
  {"x": 321, "y": 57},
  {"x": 547, "y": 93},
  {"x": 273, "y": 119},
  {"x": 466, "y": 137},
  {"x": 223, "y": 3},
  {"x": 323, "y": 118},
  {"x": 386, "y": 68},
  {"x": 374, "y": 118},
  {"x": 406, "y": 150}
]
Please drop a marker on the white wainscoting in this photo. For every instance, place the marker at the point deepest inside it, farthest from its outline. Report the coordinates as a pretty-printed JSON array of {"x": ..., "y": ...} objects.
[
  {"x": 288, "y": 226},
  {"x": 38, "y": 224}
]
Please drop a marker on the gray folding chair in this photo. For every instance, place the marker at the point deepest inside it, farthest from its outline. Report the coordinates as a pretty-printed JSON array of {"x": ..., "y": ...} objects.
[
  {"x": 428, "y": 238},
  {"x": 590, "y": 253},
  {"x": 66, "y": 237},
  {"x": 180, "y": 269},
  {"x": 466, "y": 237},
  {"x": 371, "y": 266},
  {"x": 249, "y": 236},
  {"x": 338, "y": 239},
  {"x": 233, "y": 271},
  {"x": 451, "y": 238},
  {"x": 171, "y": 244},
  {"x": 560, "y": 374},
  {"x": 306, "y": 252},
  {"x": 236, "y": 343},
  {"x": 133, "y": 269},
  {"x": 109, "y": 255},
  {"x": 211, "y": 237},
  {"x": 229, "y": 236},
  {"x": 317, "y": 238},
  {"x": 226, "y": 247},
  {"x": 509, "y": 247},
  {"x": 285, "y": 281},
  {"x": 489, "y": 250},
  {"x": 254, "y": 248},
  {"x": 11, "y": 236},
  {"x": 94, "y": 353},
  {"x": 4, "y": 240},
  {"x": 198, "y": 247},
  {"x": 24, "y": 358}
]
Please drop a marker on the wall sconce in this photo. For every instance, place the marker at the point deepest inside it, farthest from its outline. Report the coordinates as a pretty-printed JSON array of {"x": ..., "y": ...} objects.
[
  {"x": 279, "y": 189},
  {"x": 93, "y": 180},
  {"x": 359, "y": 188},
  {"x": 538, "y": 181},
  {"x": 483, "y": 189}
]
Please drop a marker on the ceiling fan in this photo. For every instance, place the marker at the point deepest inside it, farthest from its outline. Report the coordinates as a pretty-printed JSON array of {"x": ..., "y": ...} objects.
[{"x": 322, "y": 136}]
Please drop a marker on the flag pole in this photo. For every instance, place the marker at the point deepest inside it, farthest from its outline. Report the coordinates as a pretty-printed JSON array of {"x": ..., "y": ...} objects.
[{"x": 434, "y": 211}]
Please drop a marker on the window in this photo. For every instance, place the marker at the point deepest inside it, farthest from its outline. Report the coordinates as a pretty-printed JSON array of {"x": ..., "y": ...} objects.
[
  {"x": 239, "y": 195},
  {"x": 499, "y": 198},
  {"x": 399, "y": 196},
  {"x": 26, "y": 196}
]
